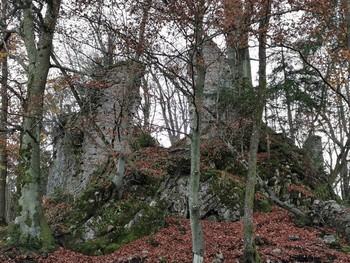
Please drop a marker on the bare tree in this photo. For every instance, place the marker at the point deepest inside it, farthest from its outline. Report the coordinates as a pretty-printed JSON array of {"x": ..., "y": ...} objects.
[
  {"x": 3, "y": 115},
  {"x": 250, "y": 252},
  {"x": 198, "y": 79},
  {"x": 37, "y": 32}
]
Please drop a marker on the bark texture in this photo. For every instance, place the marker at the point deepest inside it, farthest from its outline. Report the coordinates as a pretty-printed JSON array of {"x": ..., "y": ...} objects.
[
  {"x": 198, "y": 77},
  {"x": 33, "y": 228},
  {"x": 250, "y": 252},
  {"x": 3, "y": 121},
  {"x": 130, "y": 96}
]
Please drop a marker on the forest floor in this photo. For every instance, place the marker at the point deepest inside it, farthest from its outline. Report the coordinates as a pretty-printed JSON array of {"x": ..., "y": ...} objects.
[
  {"x": 278, "y": 239},
  {"x": 3, "y": 230}
]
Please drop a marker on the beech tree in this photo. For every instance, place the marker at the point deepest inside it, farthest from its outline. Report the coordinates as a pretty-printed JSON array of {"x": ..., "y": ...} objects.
[
  {"x": 3, "y": 114},
  {"x": 193, "y": 22},
  {"x": 250, "y": 251},
  {"x": 130, "y": 95},
  {"x": 198, "y": 78},
  {"x": 37, "y": 31}
]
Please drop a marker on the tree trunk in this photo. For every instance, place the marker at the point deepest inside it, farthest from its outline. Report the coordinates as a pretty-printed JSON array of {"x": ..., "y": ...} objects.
[
  {"x": 250, "y": 252},
  {"x": 198, "y": 77},
  {"x": 346, "y": 175},
  {"x": 3, "y": 121},
  {"x": 124, "y": 128},
  {"x": 129, "y": 97},
  {"x": 33, "y": 228},
  {"x": 288, "y": 100}
]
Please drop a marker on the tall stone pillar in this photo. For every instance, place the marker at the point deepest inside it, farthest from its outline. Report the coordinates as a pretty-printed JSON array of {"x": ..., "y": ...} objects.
[{"x": 313, "y": 147}]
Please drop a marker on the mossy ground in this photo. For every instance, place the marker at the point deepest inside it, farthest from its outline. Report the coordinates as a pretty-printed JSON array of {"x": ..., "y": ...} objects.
[
  {"x": 107, "y": 216},
  {"x": 222, "y": 167},
  {"x": 3, "y": 234}
]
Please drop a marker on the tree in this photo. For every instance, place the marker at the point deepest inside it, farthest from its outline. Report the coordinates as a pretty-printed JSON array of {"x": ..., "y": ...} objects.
[
  {"x": 174, "y": 106},
  {"x": 105, "y": 82},
  {"x": 37, "y": 31},
  {"x": 3, "y": 115},
  {"x": 128, "y": 99},
  {"x": 198, "y": 78},
  {"x": 320, "y": 86},
  {"x": 250, "y": 251}
]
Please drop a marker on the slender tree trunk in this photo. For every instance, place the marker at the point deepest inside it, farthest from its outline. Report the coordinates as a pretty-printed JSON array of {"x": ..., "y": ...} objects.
[
  {"x": 198, "y": 245},
  {"x": 165, "y": 106},
  {"x": 345, "y": 189},
  {"x": 3, "y": 121},
  {"x": 125, "y": 129},
  {"x": 347, "y": 175},
  {"x": 33, "y": 228},
  {"x": 288, "y": 101},
  {"x": 129, "y": 97},
  {"x": 196, "y": 227},
  {"x": 250, "y": 252}
]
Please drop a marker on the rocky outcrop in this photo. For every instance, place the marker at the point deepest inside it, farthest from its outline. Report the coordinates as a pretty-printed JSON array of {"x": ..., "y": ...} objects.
[
  {"x": 313, "y": 147},
  {"x": 174, "y": 192},
  {"x": 64, "y": 175},
  {"x": 218, "y": 79},
  {"x": 332, "y": 214},
  {"x": 87, "y": 143}
]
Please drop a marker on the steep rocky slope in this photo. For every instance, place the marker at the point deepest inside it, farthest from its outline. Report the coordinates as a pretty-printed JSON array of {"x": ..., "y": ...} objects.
[{"x": 157, "y": 179}]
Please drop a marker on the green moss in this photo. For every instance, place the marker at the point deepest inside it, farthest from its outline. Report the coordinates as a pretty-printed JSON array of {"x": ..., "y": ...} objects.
[
  {"x": 116, "y": 214},
  {"x": 229, "y": 190},
  {"x": 59, "y": 196},
  {"x": 148, "y": 189},
  {"x": 27, "y": 242},
  {"x": 13, "y": 234},
  {"x": 19, "y": 209},
  {"x": 262, "y": 204},
  {"x": 268, "y": 170},
  {"x": 142, "y": 140},
  {"x": 251, "y": 254},
  {"x": 152, "y": 219},
  {"x": 93, "y": 248},
  {"x": 323, "y": 191},
  {"x": 302, "y": 221},
  {"x": 46, "y": 238},
  {"x": 110, "y": 248},
  {"x": 28, "y": 221},
  {"x": 210, "y": 174},
  {"x": 25, "y": 177},
  {"x": 345, "y": 249},
  {"x": 95, "y": 174}
]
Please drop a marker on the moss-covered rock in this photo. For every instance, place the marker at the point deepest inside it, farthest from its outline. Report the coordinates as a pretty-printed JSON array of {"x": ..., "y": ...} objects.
[
  {"x": 262, "y": 203},
  {"x": 142, "y": 140},
  {"x": 99, "y": 224}
]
